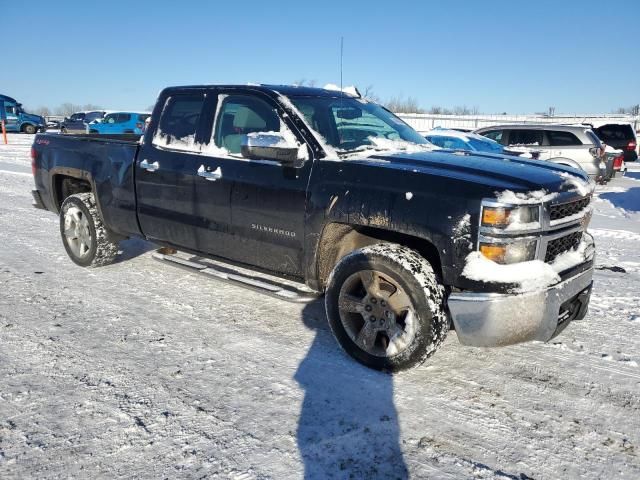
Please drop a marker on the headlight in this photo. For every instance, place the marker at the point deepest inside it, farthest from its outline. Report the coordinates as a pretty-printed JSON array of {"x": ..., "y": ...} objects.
[
  {"x": 513, "y": 252},
  {"x": 502, "y": 217}
]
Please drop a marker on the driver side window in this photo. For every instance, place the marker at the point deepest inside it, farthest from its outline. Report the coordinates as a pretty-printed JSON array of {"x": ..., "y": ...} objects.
[{"x": 239, "y": 115}]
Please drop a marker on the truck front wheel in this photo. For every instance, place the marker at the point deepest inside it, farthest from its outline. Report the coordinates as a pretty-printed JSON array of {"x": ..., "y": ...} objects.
[
  {"x": 28, "y": 128},
  {"x": 84, "y": 235},
  {"x": 385, "y": 307}
]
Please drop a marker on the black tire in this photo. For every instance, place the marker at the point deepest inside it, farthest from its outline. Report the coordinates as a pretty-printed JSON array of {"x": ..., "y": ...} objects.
[
  {"x": 30, "y": 129},
  {"x": 412, "y": 275},
  {"x": 80, "y": 214},
  {"x": 63, "y": 130}
]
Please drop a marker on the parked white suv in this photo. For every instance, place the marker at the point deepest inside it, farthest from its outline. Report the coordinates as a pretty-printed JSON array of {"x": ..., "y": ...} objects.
[{"x": 574, "y": 146}]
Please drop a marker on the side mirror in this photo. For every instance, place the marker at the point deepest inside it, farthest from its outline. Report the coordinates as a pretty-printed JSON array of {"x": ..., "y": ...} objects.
[{"x": 269, "y": 146}]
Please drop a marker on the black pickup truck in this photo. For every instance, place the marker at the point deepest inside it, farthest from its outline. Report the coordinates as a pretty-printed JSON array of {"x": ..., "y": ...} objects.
[{"x": 324, "y": 188}]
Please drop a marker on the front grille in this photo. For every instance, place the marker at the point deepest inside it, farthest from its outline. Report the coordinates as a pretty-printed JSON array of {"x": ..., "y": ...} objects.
[
  {"x": 561, "y": 245},
  {"x": 562, "y": 210}
]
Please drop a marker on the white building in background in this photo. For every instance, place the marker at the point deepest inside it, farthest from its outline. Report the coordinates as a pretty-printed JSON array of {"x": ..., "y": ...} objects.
[{"x": 423, "y": 122}]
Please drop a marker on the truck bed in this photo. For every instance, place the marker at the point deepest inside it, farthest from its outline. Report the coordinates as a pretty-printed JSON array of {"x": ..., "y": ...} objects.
[{"x": 105, "y": 162}]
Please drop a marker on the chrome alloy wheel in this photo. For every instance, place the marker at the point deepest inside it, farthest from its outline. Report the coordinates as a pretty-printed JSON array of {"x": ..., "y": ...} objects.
[
  {"x": 77, "y": 232},
  {"x": 376, "y": 313}
]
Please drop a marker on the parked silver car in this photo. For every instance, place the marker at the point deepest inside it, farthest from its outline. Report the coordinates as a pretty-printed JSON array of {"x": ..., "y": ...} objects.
[{"x": 574, "y": 146}]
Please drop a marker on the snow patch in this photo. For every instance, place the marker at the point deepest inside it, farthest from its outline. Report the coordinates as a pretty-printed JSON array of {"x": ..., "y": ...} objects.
[
  {"x": 350, "y": 90},
  {"x": 583, "y": 187},
  {"x": 536, "y": 196}
]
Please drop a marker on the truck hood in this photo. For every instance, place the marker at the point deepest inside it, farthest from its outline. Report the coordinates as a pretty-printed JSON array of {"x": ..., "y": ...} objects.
[
  {"x": 500, "y": 172},
  {"x": 30, "y": 117}
]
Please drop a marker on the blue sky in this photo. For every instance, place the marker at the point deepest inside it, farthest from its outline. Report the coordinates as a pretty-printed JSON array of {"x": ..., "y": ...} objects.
[{"x": 501, "y": 56}]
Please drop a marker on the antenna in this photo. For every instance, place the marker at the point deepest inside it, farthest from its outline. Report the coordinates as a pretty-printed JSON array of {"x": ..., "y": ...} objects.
[{"x": 341, "y": 55}]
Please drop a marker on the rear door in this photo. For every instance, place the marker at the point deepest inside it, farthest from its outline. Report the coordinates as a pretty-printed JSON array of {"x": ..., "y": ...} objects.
[
  {"x": 167, "y": 176},
  {"x": 566, "y": 144},
  {"x": 267, "y": 199}
]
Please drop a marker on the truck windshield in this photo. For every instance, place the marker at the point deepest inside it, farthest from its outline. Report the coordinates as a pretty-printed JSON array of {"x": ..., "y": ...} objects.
[{"x": 351, "y": 125}]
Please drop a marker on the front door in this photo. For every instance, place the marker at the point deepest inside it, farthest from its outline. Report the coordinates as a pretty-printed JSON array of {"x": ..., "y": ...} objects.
[
  {"x": 267, "y": 199},
  {"x": 11, "y": 122}
]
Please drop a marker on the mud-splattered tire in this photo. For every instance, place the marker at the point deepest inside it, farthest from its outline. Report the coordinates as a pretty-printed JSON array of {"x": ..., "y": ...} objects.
[
  {"x": 385, "y": 307},
  {"x": 84, "y": 236},
  {"x": 31, "y": 129}
]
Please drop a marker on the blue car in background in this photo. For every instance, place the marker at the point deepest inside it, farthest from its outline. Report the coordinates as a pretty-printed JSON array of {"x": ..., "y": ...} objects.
[
  {"x": 120, "y": 122},
  {"x": 456, "y": 140}
]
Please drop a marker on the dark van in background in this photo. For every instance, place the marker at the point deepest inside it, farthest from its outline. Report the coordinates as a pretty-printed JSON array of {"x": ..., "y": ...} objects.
[{"x": 621, "y": 137}]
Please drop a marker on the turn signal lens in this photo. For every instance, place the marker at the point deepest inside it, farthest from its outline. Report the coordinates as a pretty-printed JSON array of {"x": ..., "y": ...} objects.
[
  {"x": 512, "y": 252},
  {"x": 495, "y": 216},
  {"x": 494, "y": 252}
]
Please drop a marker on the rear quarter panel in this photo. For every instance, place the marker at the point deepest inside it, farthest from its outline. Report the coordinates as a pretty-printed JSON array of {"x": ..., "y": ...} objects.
[{"x": 107, "y": 164}]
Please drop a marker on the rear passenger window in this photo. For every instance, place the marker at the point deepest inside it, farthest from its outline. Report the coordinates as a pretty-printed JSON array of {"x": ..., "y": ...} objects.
[
  {"x": 240, "y": 115},
  {"x": 124, "y": 117},
  {"x": 179, "y": 122},
  {"x": 559, "y": 139},
  {"x": 495, "y": 135},
  {"x": 615, "y": 132},
  {"x": 525, "y": 137},
  {"x": 453, "y": 143},
  {"x": 89, "y": 117}
]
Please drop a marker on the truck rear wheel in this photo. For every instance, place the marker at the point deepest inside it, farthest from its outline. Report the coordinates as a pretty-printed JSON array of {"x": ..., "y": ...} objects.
[
  {"x": 84, "y": 236},
  {"x": 385, "y": 307}
]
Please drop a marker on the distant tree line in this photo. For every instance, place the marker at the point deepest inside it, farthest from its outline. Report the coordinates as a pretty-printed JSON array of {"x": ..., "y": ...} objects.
[
  {"x": 65, "y": 109},
  {"x": 632, "y": 110}
]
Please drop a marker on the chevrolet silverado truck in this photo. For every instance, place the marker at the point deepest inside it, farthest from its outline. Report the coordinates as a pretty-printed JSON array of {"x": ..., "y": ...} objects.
[{"x": 334, "y": 193}]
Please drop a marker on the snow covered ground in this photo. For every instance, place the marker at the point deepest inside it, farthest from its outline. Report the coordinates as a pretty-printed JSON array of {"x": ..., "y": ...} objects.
[{"x": 142, "y": 370}]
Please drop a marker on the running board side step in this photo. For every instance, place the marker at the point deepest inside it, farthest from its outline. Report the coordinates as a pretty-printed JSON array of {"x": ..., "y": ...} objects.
[{"x": 267, "y": 284}]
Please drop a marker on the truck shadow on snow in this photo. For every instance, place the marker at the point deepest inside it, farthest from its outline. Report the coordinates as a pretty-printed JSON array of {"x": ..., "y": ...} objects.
[
  {"x": 348, "y": 425},
  {"x": 132, "y": 248},
  {"x": 629, "y": 200}
]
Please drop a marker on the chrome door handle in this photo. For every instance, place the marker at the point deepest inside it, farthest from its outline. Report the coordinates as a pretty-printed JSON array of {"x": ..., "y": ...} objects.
[
  {"x": 149, "y": 167},
  {"x": 211, "y": 176}
]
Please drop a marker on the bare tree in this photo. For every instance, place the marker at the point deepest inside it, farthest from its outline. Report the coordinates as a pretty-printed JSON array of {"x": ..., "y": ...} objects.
[
  {"x": 370, "y": 95},
  {"x": 43, "y": 111},
  {"x": 461, "y": 110},
  {"x": 303, "y": 82},
  {"x": 402, "y": 105},
  {"x": 67, "y": 109},
  {"x": 632, "y": 110}
]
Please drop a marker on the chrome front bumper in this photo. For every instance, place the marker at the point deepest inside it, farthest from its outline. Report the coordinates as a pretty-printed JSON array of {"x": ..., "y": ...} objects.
[{"x": 494, "y": 319}]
